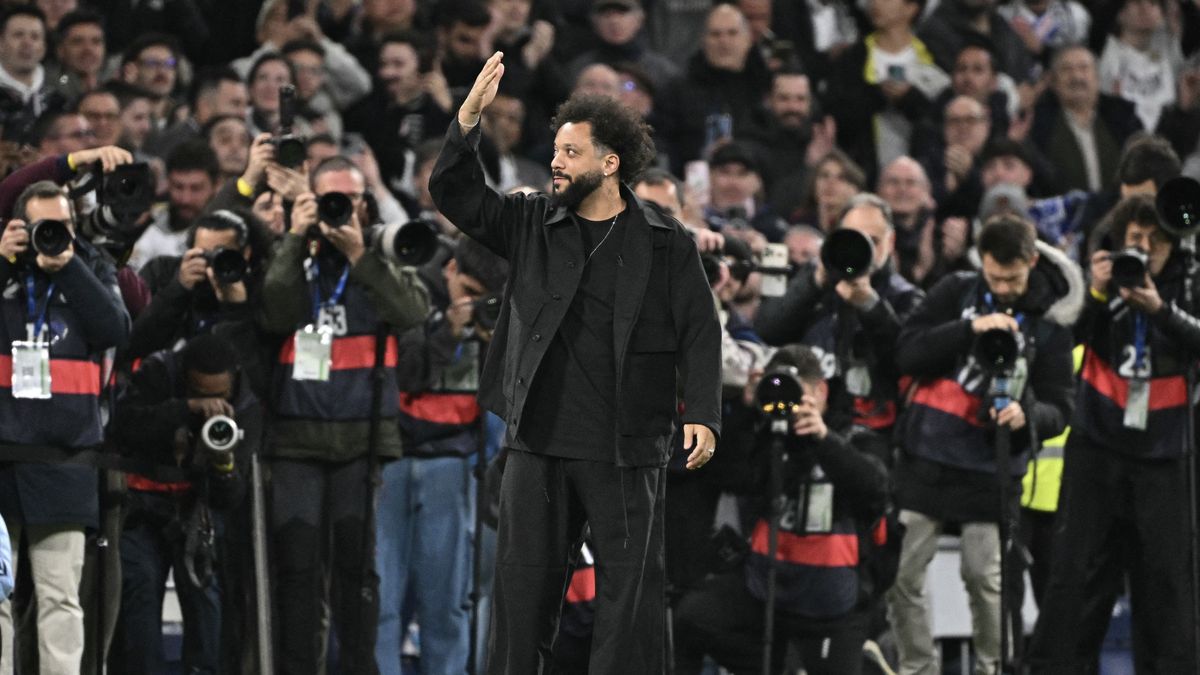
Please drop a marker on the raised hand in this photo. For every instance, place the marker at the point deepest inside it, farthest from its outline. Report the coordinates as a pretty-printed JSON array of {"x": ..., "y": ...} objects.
[{"x": 487, "y": 83}]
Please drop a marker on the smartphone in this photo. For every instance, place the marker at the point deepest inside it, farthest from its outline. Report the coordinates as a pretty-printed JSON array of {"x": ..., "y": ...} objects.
[{"x": 896, "y": 72}]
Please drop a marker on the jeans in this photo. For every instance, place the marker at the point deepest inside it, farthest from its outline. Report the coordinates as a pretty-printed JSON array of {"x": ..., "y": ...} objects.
[
  {"x": 424, "y": 531},
  {"x": 149, "y": 550}
]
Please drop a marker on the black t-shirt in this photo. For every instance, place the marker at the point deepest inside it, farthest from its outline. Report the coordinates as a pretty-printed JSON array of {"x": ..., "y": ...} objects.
[{"x": 571, "y": 409}]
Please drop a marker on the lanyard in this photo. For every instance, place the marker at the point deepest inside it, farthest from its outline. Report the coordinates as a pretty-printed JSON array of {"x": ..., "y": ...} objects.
[
  {"x": 312, "y": 271},
  {"x": 1139, "y": 341},
  {"x": 33, "y": 327},
  {"x": 991, "y": 306}
]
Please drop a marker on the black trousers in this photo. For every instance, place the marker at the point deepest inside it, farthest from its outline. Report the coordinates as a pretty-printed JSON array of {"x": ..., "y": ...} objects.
[
  {"x": 723, "y": 620},
  {"x": 1118, "y": 518},
  {"x": 317, "y": 522},
  {"x": 544, "y": 502}
]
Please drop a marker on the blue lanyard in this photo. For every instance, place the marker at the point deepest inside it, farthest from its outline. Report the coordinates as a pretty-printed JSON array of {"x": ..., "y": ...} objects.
[
  {"x": 1139, "y": 341},
  {"x": 991, "y": 306},
  {"x": 312, "y": 269},
  {"x": 31, "y": 304}
]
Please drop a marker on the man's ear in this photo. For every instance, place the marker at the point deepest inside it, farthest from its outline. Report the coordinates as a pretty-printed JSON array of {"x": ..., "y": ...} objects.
[{"x": 612, "y": 164}]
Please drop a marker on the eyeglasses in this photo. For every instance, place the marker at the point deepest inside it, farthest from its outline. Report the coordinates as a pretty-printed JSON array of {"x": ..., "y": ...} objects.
[
  {"x": 78, "y": 135},
  {"x": 158, "y": 64}
]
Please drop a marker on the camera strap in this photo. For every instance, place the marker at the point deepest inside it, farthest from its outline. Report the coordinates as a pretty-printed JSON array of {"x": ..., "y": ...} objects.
[
  {"x": 1137, "y": 401},
  {"x": 31, "y": 357}
]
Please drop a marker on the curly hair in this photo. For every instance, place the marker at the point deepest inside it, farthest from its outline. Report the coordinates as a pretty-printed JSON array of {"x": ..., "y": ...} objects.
[{"x": 615, "y": 127}]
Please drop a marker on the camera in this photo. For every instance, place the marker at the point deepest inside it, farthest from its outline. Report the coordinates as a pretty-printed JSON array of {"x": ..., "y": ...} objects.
[
  {"x": 122, "y": 197},
  {"x": 779, "y": 392},
  {"x": 228, "y": 265},
  {"x": 847, "y": 254},
  {"x": 486, "y": 311},
  {"x": 998, "y": 353},
  {"x": 335, "y": 209},
  {"x": 290, "y": 149},
  {"x": 413, "y": 243},
  {"x": 49, "y": 237},
  {"x": 1129, "y": 267},
  {"x": 218, "y": 438}
]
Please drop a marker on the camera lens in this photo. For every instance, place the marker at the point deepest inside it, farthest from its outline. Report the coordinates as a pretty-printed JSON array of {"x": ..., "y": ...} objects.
[
  {"x": 220, "y": 433},
  {"x": 49, "y": 237},
  {"x": 779, "y": 391},
  {"x": 847, "y": 254},
  {"x": 335, "y": 209},
  {"x": 228, "y": 265},
  {"x": 486, "y": 311},
  {"x": 996, "y": 349},
  {"x": 290, "y": 152},
  {"x": 412, "y": 243}
]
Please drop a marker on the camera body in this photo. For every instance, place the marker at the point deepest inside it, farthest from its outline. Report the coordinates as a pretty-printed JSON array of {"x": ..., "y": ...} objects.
[
  {"x": 486, "y": 311},
  {"x": 999, "y": 353},
  {"x": 123, "y": 196},
  {"x": 1129, "y": 267},
  {"x": 335, "y": 209}
]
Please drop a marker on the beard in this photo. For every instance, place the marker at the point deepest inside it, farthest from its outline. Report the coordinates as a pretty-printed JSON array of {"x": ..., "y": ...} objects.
[{"x": 576, "y": 190}]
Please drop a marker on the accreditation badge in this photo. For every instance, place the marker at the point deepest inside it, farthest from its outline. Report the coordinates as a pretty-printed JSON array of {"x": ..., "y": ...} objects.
[
  {"x": 818, "y": 497},
  {"x": 858, "y": 380},
  {"x": 31, "y": 369},
  {"x": 1137, "y": 404},
  {"x": 314, "y": 354}
]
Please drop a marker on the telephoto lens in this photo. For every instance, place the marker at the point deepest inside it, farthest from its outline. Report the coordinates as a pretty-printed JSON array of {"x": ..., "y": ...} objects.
[
  {"x": 847, "y": 254},
  {"x": 335, "y": 209},
  {"x": 220, "y": 433},
  {"x": 49, "y": 237},
  {"x": 413, "y": 243},
  {"x": 228, "y": 265}
]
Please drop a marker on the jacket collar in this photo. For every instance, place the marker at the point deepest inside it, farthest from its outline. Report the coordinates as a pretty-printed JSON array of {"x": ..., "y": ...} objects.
[{"x": 633, "y": 204}]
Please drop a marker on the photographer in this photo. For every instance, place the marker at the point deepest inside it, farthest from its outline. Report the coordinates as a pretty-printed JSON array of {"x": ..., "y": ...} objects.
[
  {"x": 947, "y": 471},
  {"x": 175, "y": 525},
  {"x": 427, "y": 504},
  {"x": 61, "y": 311},
  {"x": 824, "y": 593},
  {"x": 1124, "y": 508},
  {"x": 192, "y": 173},
  {"x": 217, "y": 280},
  {"x": 328, "y": 293},
  {"x": 851, "y": 323}
]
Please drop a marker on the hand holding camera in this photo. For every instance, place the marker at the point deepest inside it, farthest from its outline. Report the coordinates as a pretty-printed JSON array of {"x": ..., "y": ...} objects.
[
  {"x": 15, "y": 240},
  {"x": 193, "y": 268},
  {"x": 807, "y": 421},
  {"x": 1011, "y": 416},
  {"x": 109, "y": 156},
  {"x": 209, "y": 407},
  {"x": 262, "y": 153},
  {"x": 459, "y": 315},
  {"x": 857, "y": 292},
  {"x": 1144, "y": 297},
  {"x": 1102, "y": 271},
  {"x": 994, "y": 321}
]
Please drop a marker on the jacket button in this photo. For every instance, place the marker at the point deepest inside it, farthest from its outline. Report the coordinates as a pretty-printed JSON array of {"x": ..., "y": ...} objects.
[
  {"x": 536, "y": 337},
  {"x": 520, "y": 380}
]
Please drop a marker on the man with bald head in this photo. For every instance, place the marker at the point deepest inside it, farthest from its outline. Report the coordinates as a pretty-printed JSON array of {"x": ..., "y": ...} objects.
[
  {"x": 905, "y": 187},
  {"x": 1080, "y": 130},
  {"x": 598, "y": 79},
  {"x": 722, "y": 90}
]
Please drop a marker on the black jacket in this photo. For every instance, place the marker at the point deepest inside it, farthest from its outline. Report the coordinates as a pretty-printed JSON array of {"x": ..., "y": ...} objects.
[
  {"x": 663, "y": 318},
  {"x": 1114, "y": 123},
  {"x": 154, "y": 408},
  {"x": 871, "y": 334}
]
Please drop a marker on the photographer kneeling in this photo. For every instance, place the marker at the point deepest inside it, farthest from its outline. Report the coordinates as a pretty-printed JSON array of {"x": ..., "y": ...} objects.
[
  {"x": 1124, "y": 509},
  {"x": 836, "y": 489},
  {"x": 181, "y": 416},
  {"x": 948, "y": 471}
]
